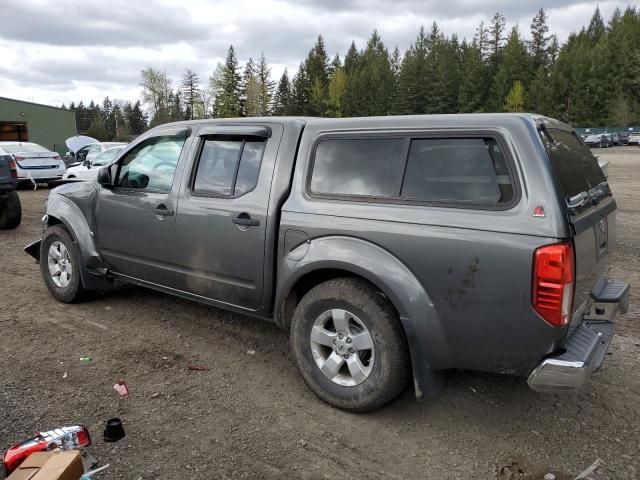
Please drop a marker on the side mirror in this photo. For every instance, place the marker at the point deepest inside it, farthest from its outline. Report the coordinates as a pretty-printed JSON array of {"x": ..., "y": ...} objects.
[
  {"x": 104, "y": 177},
  {"x": 86, "y": 163}
]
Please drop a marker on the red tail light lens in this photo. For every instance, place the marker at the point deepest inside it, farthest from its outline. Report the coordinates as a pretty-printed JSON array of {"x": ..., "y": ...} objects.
[
  {"x": 13, "y": 168},
  {"x": 553, "y": 281},
  {"x": 18, "y": 158}
]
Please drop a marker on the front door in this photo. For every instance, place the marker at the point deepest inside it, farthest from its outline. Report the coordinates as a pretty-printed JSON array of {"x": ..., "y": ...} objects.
[
  {"x": 135, "y": 218},
  {"x": 222, "y": 213}
]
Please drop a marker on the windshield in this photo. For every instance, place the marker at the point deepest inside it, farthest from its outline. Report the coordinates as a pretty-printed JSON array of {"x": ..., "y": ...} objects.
[
  {"x": 24, "y": 148},
  {"x": 106, "y": 157},
  {"x": 577, "y": 168},
  {"x": 593, "y": 137}
]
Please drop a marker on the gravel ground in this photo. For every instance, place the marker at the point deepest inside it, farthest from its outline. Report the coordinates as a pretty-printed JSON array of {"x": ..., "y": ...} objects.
[{"x": 251, "y": 416}]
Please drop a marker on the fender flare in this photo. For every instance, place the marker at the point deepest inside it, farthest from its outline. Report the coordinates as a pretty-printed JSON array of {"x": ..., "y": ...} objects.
[
  {"x": 420, "y": 321},
  {"x": 68, "y": 213}
]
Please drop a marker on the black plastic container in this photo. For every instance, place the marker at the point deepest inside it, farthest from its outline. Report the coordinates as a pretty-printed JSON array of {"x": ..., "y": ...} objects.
[{"x": 114, "y": 430}]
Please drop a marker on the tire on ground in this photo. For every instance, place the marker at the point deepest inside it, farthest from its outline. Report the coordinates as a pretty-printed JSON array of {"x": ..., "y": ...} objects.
[
  {"x": 391, "y": 368},
  {"x": 75, "y": 291},
  {"x": 10, "y": 211}
]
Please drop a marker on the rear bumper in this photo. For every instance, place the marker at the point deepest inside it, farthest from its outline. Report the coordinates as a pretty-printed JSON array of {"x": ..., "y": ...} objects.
[
  {"x": 40, "y": 174},
  {"x": 587, "y": 344}
]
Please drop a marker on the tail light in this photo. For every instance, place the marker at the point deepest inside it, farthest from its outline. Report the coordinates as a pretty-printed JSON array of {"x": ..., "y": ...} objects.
[
  {"x": 18, "y": 158},
  {"x": 56, "y": 157},
  {"x": 13, "y": 168},
  {"x": 65, "y": 438},
  {"x": 553, "y": 282}
]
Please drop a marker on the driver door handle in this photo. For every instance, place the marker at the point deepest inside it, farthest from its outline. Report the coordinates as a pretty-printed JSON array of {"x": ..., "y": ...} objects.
[
  {"x": 245, "y": 220},
  {"x": 163, "y": 211}
]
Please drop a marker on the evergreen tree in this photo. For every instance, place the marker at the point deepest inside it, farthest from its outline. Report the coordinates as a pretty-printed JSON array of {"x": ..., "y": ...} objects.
[
  {"x": 539, "y": 43},
  {"x": 472, "y": 93},
  {"x": 415, "y": 79},
  {"x": 300, "y": 91},
  {"x": 351, "y": 59},
  {"x": 97, "y": 129},
  {"x": 282, "y": 98},
  {"x": 190, "y": 89},
  {"x": 371, "y": 85},
  {"x": 317, "y": 70},
  {"x": 265, "y": 85},
  {"x": 539, "y": 96},
  {"x": 227, "y": 102},
  {"x": 513, "y": 67}
]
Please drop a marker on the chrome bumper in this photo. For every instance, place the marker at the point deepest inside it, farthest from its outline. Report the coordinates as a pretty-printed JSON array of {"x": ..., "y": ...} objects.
[{"x": 587, "y": 344}]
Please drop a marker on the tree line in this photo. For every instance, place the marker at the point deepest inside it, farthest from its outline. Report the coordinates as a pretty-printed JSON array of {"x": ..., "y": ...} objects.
[{"x": 593, "y": 79}]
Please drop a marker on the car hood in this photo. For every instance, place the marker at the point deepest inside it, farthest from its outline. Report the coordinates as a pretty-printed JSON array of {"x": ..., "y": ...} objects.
[{"x": 76, "y": 142}]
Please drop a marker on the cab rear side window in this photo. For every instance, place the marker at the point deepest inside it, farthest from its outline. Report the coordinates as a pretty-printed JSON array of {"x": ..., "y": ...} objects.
[
  {"x": 228, "y": 166},
  {"x": 463, "y": 171}
]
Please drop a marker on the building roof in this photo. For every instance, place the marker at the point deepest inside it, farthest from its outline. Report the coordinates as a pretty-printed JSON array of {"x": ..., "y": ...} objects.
[{"x": 33, "y": 103}]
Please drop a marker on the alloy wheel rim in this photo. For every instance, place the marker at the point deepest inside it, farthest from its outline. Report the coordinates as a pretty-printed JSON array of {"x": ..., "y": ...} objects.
[
  {"x": 59, "y": 262},
  {"x": 342, "y": 347}
]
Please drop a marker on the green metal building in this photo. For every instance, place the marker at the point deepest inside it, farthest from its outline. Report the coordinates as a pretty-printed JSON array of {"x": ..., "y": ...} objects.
[{"x": 33, "y": 122}]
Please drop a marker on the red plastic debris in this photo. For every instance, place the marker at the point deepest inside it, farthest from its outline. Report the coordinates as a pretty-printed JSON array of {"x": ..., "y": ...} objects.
[
  {"x": 122, "y": 388},
  {"x": 198, "y": 368}
]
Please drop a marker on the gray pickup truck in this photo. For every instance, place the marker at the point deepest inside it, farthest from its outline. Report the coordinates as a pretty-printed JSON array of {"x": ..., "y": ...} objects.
[
  {"x": 390, "y": 248},
  {"x": 10, "y": 207}
]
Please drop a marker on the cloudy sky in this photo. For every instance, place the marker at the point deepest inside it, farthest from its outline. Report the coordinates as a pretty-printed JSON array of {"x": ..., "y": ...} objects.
[{"x": 55, "y": 52}]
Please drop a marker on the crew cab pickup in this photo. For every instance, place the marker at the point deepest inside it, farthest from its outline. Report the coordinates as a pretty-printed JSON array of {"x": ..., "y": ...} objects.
[{"x": 390, "y": 248}]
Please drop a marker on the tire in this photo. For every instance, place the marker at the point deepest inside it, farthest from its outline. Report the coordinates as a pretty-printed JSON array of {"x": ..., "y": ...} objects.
[
  {"x": 10, "y": 211},
  {"x": 387, "y": 363},
  {"x": 70, "y": 292}
]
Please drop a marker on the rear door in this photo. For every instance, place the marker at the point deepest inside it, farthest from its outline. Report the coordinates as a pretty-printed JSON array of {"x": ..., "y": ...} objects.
[
  {"x": 222, "y": 213},
  {"x": 590, "y": 206}
]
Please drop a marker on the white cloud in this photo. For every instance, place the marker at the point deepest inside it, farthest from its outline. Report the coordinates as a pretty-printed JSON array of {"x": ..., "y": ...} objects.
[{"x": 81, "y": 50}]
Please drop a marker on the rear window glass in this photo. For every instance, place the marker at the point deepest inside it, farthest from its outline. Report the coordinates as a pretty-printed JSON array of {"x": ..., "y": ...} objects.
[
  {"x": 357, "y": 166},
  {"x": 23, "y": 148},
  {"x": 457, "y": 170},
  {"x": 576, "y": 167}
]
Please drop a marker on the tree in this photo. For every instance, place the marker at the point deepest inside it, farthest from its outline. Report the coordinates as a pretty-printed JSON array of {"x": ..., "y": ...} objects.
[
  {"x": 514, "y": 101},
  {"x": 514, "y": 66},
  {"x": 156, "y": 94},
  {"x": 97, "y": 129},
  {"x": 539, "y": 43},
  {"x": 227, "y": 101},
  {"x": 371, "y": 85},
  {"x": 300, "y": 91},
  {"x": 136, "y": 119},
  {"x": 539, "y": 96},
  {"x": 337, "y": 91},
  {"x": 317, "y": 71},
  {"x": 252, "y": 97},
  {"x": 282, "y": 98},
  {"x": 496, "y": 37},
  {"x": 190, "y": 90},
  {"x": 351, "y": 59},
  {"x": 415, "y": 80},
  {"x": 265, "y": 86},
  {"x": 471, "y": 96}
]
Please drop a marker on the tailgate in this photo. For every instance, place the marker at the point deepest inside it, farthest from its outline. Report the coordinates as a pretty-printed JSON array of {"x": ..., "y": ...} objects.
[
  {"x": 590, "y": 208},
  {"x": 36, "y": 160}
]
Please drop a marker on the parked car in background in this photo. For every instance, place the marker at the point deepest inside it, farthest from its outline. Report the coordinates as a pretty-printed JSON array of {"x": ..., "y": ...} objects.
[
  {"x": 93, "y": 150},
  {"x": 623, "y": 138},
  {"x": 633, "y": 138},
  {"x": 10, "y": 208},
  {"x": 34, "y": 163},
  {"x": 390, "y": 248},
  {"x": 600, "y": 140},
  {"x": 88, "y": 170},
  {"x": 614, "y": 138}
]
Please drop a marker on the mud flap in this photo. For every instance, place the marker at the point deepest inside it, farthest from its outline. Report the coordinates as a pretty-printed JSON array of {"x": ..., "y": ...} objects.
[{"x": 33, "y": 249}]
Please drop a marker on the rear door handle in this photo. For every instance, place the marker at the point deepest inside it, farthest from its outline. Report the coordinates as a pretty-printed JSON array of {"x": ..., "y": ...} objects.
[
  {"x": 246, "y": 220},
  {"x": 163, "y": 211}
]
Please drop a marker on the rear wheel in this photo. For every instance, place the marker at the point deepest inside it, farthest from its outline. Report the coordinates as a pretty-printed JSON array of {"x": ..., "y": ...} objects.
[
  {"x": 349, "y": 346},
  {"x": 10, "y": 211},
  {"x": 60, "y": 264}
]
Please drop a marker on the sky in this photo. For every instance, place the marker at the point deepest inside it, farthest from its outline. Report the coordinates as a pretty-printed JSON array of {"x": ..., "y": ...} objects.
[{"x": 63, "y": 51}]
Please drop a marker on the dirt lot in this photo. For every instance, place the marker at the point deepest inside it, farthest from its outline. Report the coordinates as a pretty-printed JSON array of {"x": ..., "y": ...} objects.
[{"x": 251, "y": 416}]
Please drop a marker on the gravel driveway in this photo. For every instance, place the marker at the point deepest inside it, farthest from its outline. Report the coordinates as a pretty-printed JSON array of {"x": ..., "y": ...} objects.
[{"x": 250, "y": 415}]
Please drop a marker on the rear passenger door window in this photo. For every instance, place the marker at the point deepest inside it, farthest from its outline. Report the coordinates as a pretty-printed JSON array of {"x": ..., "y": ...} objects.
[
  {"x": 227, "y": 167},
  {"x": 465, "y": 170}
]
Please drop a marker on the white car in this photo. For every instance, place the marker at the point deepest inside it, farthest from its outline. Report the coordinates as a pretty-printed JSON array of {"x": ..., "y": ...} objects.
[
  {"x": 634, "y": 138},
  {"x": 88, "y": 170},
  {"x": 91, "y": 151},
  {"x": 34, "y": 163}
]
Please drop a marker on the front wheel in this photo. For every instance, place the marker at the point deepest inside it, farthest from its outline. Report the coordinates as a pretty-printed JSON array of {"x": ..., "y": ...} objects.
[
  {"x": 60, "y": 263},
  {"x": 349, "y": 346}
]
